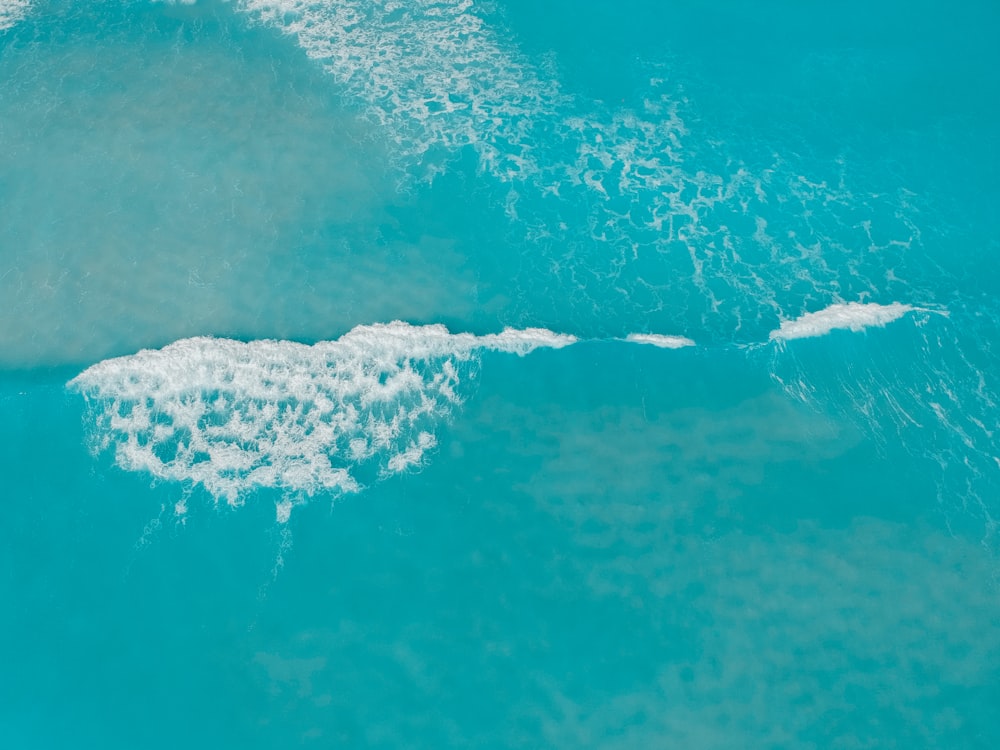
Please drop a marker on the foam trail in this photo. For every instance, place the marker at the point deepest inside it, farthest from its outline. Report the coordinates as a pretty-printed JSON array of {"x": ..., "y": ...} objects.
[
  {"x": 854, "y": 316},
  {"x": 12, "y": 12},
  {"x": 234, "y": 416},
  {"x": 659, "y": 340}
]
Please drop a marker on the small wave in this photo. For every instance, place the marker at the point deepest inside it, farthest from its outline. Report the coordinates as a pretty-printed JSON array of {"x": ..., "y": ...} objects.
[
  {"x": 12, "y": 12},
  {"x": 236, "y": 416},
  {"x": 656, "y": 339},
  {"x": 854, "y": 316}
]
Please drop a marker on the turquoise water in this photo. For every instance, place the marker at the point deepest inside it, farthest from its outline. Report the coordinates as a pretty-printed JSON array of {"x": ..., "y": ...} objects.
[{"x": 687, "y": 437}]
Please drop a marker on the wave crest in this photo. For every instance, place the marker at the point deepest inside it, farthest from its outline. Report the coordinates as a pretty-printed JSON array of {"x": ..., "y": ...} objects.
[
  {"x": 854, "y": 316},
  {"x": 660, "y": 340}
]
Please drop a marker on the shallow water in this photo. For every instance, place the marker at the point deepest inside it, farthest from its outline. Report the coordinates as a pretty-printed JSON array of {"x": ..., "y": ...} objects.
[{"x": 688, "y": 439}]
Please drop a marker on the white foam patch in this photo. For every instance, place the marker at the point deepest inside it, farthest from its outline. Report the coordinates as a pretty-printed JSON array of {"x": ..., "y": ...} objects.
[
  {"x": 234, "y": 417},
  {"x": 656, "y": 339},
  {"x": 12, "y": 11},
  {"x": 853, "y": 316}
]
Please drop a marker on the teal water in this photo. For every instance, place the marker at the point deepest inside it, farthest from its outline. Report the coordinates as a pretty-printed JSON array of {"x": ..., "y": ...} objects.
[{"x": 500, "y": 523}]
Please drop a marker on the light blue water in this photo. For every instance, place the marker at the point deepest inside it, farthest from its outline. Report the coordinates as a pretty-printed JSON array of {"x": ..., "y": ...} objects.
[{"x": 776, "y": 528}]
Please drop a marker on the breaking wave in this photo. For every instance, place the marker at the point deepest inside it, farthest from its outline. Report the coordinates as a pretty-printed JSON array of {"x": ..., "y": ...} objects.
[
  {"x": 659, "y": 340},
  {"x": 853, "y": 316},
  {"x": 336, "y": 416},
  {"x": 234, "y": 417}
]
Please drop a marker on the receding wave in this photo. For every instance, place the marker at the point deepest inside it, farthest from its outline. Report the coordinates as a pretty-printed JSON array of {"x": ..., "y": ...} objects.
[
  {"x": 429, "y": 72},
  {"x": 234, "y": 417},
  {"x": 12, "y": 11}
]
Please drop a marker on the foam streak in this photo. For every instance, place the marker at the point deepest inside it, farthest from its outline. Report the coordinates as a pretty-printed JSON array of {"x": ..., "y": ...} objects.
[{"x": 656, "y": 339}]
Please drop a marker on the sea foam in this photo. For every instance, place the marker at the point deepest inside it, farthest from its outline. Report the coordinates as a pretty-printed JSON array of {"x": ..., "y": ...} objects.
[
  {"x": 429, "y": 72},
  {"x": 656, "y": 339},
  {"x": 12, "y": 11},
  {"x": 854, "y": 316},
  {"x": 236, "y": 416}
]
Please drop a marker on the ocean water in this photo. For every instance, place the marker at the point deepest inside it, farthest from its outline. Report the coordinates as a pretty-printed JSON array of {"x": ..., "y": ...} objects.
[{"x": 412, "y": 373}]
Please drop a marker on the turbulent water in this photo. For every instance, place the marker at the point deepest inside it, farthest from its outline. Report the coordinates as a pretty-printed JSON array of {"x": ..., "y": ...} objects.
[{"x": 382, "y": 373}]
